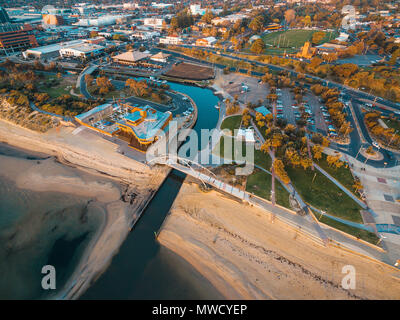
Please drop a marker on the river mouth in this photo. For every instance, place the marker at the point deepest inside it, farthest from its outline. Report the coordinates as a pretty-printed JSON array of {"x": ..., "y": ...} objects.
[
  {"x": 151, "y": 271},
  {"x": 142, "y": 269}
]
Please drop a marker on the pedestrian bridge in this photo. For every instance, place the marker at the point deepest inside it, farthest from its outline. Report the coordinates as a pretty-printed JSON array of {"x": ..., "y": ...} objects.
[{"x": 198, "y": 171}]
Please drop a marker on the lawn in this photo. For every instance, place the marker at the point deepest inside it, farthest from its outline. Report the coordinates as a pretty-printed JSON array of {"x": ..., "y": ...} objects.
[
  {"x": 219, "y": 148},
  {"x": 55, "y": 87},
  {"x": 259, "y": 183},
  {"x": 320, "y": 192},
  {"x": 260, "y": 158},
  {"x": 292, "y": 38},
  {"x": 231, "y": 123},
  {"x": 343, "y": 174},
  {"x": 359, "y": 233}
]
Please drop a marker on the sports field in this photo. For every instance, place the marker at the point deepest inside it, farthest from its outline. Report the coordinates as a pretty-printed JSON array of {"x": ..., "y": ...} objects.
[{"x": 291, "y": 40}]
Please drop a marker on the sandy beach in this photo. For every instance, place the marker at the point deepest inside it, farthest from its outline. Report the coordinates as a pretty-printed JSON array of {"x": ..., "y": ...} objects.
[
  {"x": 246, "y": 256},
  {"x": 95, "y": 170}
]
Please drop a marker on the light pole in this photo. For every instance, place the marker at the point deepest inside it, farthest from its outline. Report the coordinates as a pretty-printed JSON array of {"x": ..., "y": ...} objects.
[
  {"x": 391, "y": 139},
  {"x": 358, "y": 152}
]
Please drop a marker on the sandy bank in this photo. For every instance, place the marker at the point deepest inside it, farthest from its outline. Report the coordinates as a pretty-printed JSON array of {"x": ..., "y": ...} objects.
[
  {"x": 104, "y": 174},
  {"x": 47, "y": 175},
  {"x": 246, "y": 256}
]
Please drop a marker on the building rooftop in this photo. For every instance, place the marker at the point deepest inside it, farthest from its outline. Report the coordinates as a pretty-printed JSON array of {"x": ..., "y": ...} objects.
[
  {"x": 85, "y": 47},
  {"x": 55, "y": 46},
  {"x": 263, "y": 110},
  {"x": 160, "y": 55},
  {"x": 132, "y": 56},
  {"x": 146, "y": 122}
]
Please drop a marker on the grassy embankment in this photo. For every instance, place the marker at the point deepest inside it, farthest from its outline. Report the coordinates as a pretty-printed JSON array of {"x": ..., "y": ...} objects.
[
  {"x": 342, "y": 174},
  {"x": 356, "y": 232}
]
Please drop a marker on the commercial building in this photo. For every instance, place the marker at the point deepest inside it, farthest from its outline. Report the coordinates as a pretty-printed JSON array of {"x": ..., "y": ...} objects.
[
  {"x": 171, "y": 40},
  {"x": 155, "y": 23},
  {"x": 196, "y": 9},
  {"x": 230, "y": 19},
  {"x": 49, "y": 51},
  {"x": 139, "y": 126},
  {"x": 144, "y": 35},
  {"x": 16, "y": 37},
  {"x": 81, "y": 51},
  {"x": 131, "y": 57}
]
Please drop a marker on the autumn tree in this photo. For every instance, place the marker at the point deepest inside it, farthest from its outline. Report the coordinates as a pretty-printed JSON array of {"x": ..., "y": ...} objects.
[
  {"x": 279, "y": 169},
  {"x": 290, "y": 15},
  {"x": 258, "y": 46}
]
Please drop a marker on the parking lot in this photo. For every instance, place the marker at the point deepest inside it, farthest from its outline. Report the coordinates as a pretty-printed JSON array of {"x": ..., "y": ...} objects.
[
  {"x": 284, "y": 105},
  {"x": 320, "y": 125}
]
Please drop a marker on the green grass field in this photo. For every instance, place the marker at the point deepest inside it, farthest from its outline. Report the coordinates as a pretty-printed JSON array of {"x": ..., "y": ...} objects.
[
  {"x": 231, "y": 123},
  {"x": 259, "y": 183},
  {"x": 260, "y": 158},
  {"x": 292, "y": 39},
  {"x": 343, "y": 174},
  {"x": 320, "y": 192},
  {"x": 359, "y": 233},
  {"x": 55, "y": 87}
]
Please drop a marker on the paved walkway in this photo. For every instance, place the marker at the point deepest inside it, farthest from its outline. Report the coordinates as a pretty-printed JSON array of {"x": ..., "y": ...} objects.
[{"x": 34, "y": 107}]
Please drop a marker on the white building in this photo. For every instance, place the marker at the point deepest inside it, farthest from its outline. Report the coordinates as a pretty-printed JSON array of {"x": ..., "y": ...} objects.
[
  {"x": 49, "y": 51},
  {"x": 161, "y": 5},
  {"x": 196, "y": 9},
  {"x": 130, "y": 6},
  {"x": 98, "y": 22},
  {"x": 171, "y": 40},
  {"x": 144, "y": 35},
  {"x": 83, "y": 50},
  {"x": 232, "y": 18},
  {"x": 155, "y": 23}
]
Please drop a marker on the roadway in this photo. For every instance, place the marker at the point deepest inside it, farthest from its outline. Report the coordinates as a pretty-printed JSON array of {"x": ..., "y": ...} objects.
[{"x": 81, "y": 83}]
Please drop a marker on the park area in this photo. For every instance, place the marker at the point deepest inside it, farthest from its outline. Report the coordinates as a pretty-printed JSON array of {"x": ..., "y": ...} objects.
[
  {"x": 321, "y": 193},
  {"x": 56, "y": 85},
  {"x": 290, "y": 41}
]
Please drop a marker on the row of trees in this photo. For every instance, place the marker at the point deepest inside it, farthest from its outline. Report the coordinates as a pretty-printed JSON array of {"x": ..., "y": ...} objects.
[
  {"x": 386, "y": 135},
  {"x": 143, "y": 89},
  {"x": 335, "y": 108}
]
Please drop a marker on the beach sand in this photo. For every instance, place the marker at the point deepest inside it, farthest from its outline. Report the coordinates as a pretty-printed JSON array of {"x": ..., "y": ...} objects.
[
  {"x": 95, "y": 169},
  {"x": 246, "y": 256}
]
